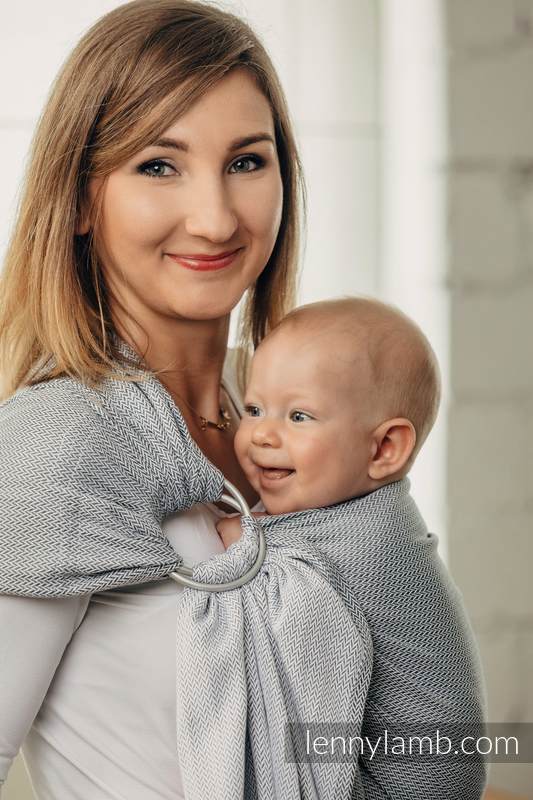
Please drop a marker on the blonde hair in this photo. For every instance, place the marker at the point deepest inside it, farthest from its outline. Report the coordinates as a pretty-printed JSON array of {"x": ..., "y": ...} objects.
[
  {"x": 404, "y": 368},
  {"x": 140, "y": 65}
]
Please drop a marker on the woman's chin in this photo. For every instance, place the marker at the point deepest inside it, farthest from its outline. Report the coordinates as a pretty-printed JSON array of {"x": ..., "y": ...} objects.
[{"x": 203, "y": 311}]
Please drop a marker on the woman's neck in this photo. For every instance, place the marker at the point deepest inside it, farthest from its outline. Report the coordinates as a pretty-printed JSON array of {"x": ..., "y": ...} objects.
[{"x": 191, "y": 353}]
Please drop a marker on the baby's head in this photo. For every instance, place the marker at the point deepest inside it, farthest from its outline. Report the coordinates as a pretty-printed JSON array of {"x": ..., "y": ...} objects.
[{"x": 341, "y": 396}]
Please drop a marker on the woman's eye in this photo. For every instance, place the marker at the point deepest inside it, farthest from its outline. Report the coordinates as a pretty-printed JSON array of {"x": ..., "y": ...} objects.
[
  {"x": 299, "y": 416},
  {"x": 256, "y": 161},
  {"x": 252, "y": 411},
  {"x": 155, "y": 169}
]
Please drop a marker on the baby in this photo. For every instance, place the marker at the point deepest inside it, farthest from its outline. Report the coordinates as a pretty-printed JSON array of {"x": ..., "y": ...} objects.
[{"x": 341, "y": 397}]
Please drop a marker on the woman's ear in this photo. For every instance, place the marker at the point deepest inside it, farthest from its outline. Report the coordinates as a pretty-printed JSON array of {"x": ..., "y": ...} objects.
[
  {"x": 393, "y": 442},
  {"x": 83, "y": 227},
  {"x": 86, "y": 213},
  {"x": 83, "y": 222}
]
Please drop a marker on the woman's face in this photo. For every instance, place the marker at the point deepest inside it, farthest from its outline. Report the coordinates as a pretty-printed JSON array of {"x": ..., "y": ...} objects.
[{"x": 203, "y": 191}]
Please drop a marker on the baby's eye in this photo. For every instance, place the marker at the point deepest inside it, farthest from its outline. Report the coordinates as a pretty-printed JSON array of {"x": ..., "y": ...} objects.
[
  {"x": 299, "y": 416},
  {"x": 252, "y": 411}
]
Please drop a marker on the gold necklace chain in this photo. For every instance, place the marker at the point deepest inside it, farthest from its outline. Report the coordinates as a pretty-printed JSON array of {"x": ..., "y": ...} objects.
[{"x": 209, "y": 423}]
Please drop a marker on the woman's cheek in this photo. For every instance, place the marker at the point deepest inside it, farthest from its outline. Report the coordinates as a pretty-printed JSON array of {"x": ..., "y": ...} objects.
[
  {"x": 263, "y": 208},
  {"x": 142, "y": 213},
  {"x": 276, "y": 207}
]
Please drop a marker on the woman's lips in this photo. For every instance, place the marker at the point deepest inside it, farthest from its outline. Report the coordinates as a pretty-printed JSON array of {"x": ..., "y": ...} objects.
[{"x": 206, "y": 263}]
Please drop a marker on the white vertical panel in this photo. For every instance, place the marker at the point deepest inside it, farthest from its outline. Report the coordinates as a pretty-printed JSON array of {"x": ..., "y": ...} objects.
[{"x": 413, "y": 266}]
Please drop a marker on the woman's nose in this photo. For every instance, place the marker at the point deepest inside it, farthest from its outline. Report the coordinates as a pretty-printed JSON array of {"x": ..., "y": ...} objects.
[
  {"x": 266, "y": 434},
  {"x": 210, "y": 215}
]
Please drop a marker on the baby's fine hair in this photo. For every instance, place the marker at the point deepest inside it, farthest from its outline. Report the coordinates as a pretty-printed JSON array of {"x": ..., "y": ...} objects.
[{"x": 403, "y": 364}]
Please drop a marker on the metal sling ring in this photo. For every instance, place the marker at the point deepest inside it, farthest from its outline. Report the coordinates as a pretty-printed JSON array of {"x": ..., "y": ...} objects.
[{"x": 183, "y": 573}]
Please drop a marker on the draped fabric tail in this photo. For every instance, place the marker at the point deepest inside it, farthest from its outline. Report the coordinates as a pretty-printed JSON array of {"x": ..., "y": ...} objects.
[
  {"x": 211, "y": 699},
  {"x": 278, "y": 655},
  {"x": 308, "y": 664}
]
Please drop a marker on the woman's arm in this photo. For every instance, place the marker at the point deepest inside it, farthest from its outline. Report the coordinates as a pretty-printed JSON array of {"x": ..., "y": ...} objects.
[{"x": 34, "y": 633}]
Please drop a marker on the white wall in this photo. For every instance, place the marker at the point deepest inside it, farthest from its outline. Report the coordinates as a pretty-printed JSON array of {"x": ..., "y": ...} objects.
[{"x": 34, "y": 39}]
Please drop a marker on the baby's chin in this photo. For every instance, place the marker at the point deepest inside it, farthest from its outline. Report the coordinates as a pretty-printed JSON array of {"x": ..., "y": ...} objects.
[
  {"x": 281, "y": 505},
  {"x": 286, "y": 504},
  {"x": 276, "y": 509}
]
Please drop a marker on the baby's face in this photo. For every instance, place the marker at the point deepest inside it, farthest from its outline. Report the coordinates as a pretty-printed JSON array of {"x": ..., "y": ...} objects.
[{"x": 305, "y": 438}]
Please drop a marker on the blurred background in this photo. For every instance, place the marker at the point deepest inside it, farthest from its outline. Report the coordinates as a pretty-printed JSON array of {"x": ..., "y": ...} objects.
[{"x": 415, "y": 123}]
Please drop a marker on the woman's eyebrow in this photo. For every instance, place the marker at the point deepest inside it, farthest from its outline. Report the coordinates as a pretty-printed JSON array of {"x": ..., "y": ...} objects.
[{"x": 236, "y": 144}]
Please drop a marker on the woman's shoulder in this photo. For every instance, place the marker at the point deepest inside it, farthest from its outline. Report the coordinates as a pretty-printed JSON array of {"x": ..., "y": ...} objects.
[
  {"x": 45, "y": 444},
  {"x": 47, "y": 409},
  {"x": 46, "y": 437}
]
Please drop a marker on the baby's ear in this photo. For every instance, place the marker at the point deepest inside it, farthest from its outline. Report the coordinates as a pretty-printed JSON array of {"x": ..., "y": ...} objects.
[{"x": 393, "y": 442}]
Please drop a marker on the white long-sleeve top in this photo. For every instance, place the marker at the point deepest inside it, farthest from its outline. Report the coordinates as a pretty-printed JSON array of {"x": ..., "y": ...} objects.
[{"x": 87, "y": 684}]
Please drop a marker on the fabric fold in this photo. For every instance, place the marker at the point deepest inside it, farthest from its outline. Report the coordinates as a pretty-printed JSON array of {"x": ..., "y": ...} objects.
[{"x": 264, "y": 661}]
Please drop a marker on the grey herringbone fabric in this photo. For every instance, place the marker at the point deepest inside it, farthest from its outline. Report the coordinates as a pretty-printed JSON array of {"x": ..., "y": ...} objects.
[
  {"x": 426, "y": 671},
  {"x": 87, "y": 478},
  {"x": 308, "y": 658},
  {"x": 381, "y": 566}
]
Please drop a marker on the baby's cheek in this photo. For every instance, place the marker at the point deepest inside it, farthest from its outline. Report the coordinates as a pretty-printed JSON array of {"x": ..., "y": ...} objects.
[
  {"x": 240, "y": 444},
  {"x": 250, "y": 470}
]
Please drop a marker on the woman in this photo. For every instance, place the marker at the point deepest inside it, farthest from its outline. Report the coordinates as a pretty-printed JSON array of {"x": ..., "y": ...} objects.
[{"x": 162, "y": 187}]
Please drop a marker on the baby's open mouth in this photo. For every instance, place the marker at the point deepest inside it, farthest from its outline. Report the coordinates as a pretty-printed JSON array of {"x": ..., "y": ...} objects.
[{"x": 274, "y": 473}]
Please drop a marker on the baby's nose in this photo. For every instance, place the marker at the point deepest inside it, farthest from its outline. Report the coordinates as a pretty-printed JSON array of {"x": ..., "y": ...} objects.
[{"x": 266, "y": 434}]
